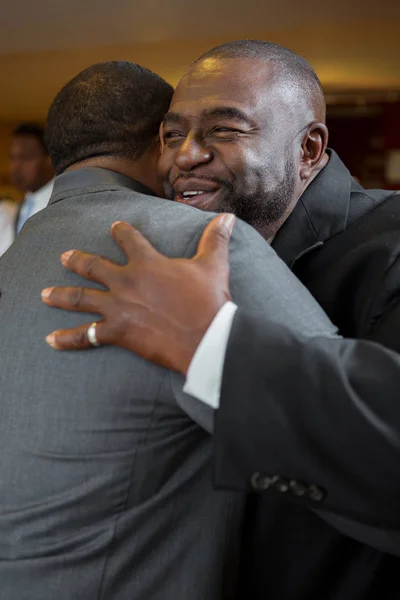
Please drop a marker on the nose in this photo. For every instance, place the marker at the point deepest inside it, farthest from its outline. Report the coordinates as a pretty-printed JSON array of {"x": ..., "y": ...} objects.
[{"x": 192, "y": 153}]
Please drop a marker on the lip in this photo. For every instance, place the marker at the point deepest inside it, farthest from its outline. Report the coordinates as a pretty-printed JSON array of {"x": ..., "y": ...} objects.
[
  {"x": 194, "y": 185},
  {"x": 204, "y": 201}
]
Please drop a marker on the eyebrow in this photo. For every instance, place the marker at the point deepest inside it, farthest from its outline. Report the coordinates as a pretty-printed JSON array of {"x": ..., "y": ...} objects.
[
  {"x": 172, "y": 117},
  {"x": 229, "y": 112}
]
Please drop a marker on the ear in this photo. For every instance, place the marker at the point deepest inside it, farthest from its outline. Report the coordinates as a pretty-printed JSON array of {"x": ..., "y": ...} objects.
[{"x": 313, "y": 148}]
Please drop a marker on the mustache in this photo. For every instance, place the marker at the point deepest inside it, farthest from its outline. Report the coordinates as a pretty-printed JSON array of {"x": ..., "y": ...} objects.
[{"x": 218, "y": 180}]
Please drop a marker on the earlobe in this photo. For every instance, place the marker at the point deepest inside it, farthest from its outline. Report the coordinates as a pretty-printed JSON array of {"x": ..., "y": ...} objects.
[{"x": 305, "y": 171}]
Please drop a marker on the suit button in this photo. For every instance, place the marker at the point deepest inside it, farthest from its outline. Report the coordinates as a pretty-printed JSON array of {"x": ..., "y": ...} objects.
[
  {"x": 315, "y": 493},
  {"x": 280, "y": 484},
  {"x": 297, "y": 488},
  {"x": 260, "y": 482}
]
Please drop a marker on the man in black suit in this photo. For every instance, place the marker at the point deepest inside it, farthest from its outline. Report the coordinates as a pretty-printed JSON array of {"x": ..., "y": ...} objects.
[{"x": 246, "y": 133}]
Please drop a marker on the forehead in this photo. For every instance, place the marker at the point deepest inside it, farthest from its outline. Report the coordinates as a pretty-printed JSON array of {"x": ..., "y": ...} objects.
[
  {"x": 247, "y": 84},
  {"x": 26, "y": 143}
]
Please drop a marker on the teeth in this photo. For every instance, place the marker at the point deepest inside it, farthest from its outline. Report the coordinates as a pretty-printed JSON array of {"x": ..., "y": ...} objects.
[{"x": 188, "y": 194}]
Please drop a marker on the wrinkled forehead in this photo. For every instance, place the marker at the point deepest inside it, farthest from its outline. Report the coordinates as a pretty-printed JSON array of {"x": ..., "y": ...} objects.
[{"x": 248, "y": 84}]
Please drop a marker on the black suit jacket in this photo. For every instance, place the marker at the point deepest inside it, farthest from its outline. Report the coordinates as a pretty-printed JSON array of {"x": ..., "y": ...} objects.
[{"x": 327, "y": 523}]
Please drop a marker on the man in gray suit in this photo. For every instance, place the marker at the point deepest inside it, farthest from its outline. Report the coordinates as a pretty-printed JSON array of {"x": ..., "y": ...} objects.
[{"x": 105, "y": 483}]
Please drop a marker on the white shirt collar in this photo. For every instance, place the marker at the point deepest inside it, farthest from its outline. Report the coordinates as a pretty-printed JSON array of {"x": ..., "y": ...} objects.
[{"x": 43, "y": 192}]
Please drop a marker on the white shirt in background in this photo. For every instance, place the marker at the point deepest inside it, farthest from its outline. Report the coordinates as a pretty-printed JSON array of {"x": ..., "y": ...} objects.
[
  {"x": 8, "y": 214},
  {"x": 33, "y": 202}
]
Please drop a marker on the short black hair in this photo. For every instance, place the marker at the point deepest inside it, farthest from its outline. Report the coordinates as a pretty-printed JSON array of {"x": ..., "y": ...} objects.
[
  {"x": 292, "y": 68},
  {"x": 31, "y": 130},
  {"x": 113, "y": 108}
]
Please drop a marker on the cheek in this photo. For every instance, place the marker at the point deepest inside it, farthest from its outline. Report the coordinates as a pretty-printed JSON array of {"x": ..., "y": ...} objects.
[
  {"x": 32, "y": 168},
  {"x": 30, "y": 174},
  {"x": 25, "y": 169},
  {"x": 248, "y": 168}
]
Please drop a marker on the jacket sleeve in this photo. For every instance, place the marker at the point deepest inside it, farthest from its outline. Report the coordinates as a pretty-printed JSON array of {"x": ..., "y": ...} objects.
[{"x": 315, "y": 419}]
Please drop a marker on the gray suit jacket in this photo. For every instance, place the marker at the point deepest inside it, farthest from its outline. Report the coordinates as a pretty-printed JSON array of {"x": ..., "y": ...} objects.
[{"x": 105, "y": 482}]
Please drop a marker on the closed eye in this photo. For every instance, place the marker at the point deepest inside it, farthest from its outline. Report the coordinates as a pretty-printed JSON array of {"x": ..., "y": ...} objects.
[
  {"x": 171, "y": 138},
  {"x": 224, "y": 129},
  {"x": 224, "y": 132},
  {"x": 171, "y": 134}
]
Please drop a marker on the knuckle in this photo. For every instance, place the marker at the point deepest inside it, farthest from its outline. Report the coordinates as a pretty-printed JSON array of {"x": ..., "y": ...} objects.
[
  {"x": 127, "y": 281},
  {"x": 79, "y": 339},
  {"x": 221, "y": 235},
  {"x": 118, "y": 322},
  {"x": 76, "y": 297},
  {"x": 92, "y": 263},
  {"x": 123, "y": 283}
]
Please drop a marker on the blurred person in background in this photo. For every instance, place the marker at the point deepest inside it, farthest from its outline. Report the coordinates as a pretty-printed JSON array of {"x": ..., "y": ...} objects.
[{"x": 31, "y": 171}]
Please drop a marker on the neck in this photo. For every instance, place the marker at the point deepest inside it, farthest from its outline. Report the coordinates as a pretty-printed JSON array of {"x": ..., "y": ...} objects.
[
  {"x": 142, "y": 170},
  {"x": 269, "y": 230}
]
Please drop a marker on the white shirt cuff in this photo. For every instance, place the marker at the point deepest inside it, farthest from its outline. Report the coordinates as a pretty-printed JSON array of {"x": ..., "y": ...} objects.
[{"x": 204, "y": 377}]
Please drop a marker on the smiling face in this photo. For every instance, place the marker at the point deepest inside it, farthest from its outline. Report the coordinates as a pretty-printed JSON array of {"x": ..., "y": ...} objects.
[{"x": 231, "y": 142}]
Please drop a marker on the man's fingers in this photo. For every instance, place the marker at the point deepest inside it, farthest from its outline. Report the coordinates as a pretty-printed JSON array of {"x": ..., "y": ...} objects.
[
  {"x": 131, "y": 241},
  {"x": 90, "y": 266},
  {"x": 76, "y": 338},
  {"x": 75, "y": 298},
  {"x": 214, "y": 243}
]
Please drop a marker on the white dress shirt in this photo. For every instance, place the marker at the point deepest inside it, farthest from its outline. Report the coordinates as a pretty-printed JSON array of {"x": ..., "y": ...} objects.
[
  {"x": 204, "y": 377},
  {"x": 33, "y": 202},
  {"x": 8, "y": 213}
]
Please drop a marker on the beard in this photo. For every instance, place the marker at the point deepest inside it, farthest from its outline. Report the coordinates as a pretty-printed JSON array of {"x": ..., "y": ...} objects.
[
  {"x": 262, "y": 205},
  {"x": 267, "y": 204}
]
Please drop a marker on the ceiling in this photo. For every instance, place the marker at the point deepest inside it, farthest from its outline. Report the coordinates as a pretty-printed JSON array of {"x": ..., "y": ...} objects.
[
  {"x": 43, "y": 43},
  {"x": 31, "y": 25}
]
